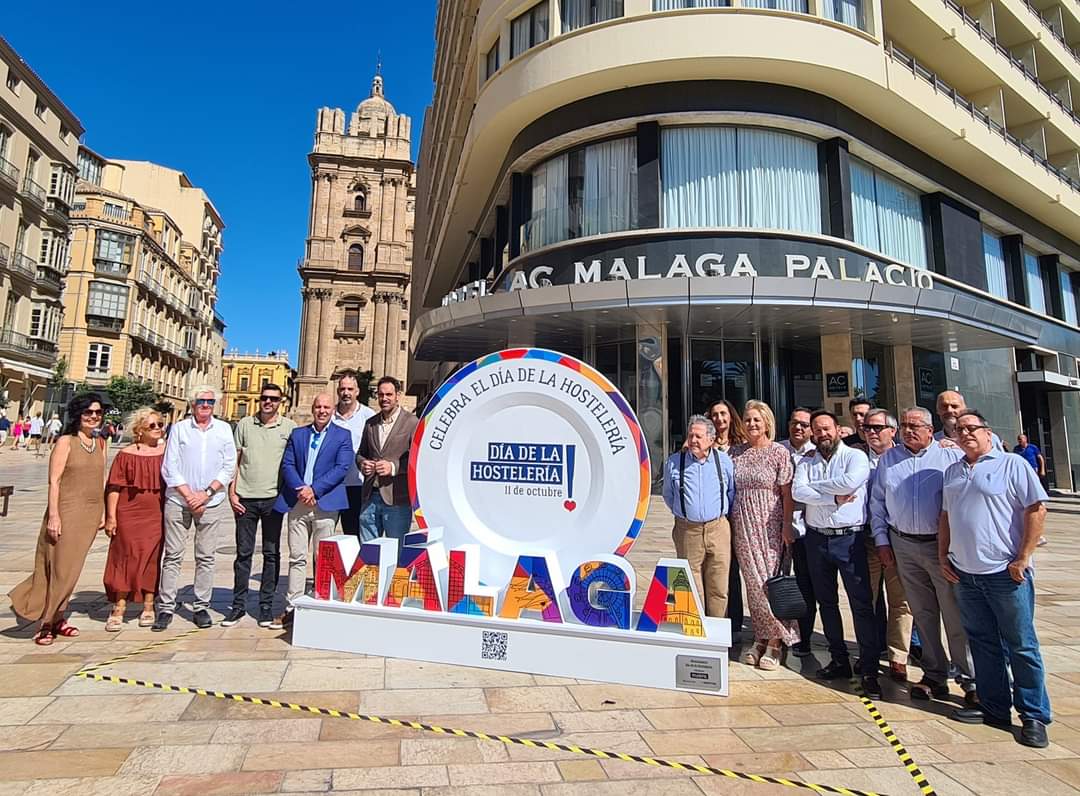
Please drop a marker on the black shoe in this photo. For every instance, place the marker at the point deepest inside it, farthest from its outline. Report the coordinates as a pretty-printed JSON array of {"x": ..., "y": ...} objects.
[
  {"x": 266, "y": 617},
  {"x": 801, "y": 651},
  {"x": 161, "y": 622},
  {"x": 202, "y": 619},
  {"x": 835, "y": 671},
  {"x": 234, "y": 616},
  {"x": 977, "y": 716},
  {"x": 870, "y": 686},
  {"x": 1033, "y": 733}
]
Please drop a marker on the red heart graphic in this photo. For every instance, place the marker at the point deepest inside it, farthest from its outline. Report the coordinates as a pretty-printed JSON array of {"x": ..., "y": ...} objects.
[{"x": 569, "y": 505}]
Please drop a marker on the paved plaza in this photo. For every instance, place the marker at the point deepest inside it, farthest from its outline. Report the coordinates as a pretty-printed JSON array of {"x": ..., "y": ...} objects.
[{"x": 61, "y": 735}]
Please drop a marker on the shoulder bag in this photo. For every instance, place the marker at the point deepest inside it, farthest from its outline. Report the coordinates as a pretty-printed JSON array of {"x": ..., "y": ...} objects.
[{"x": 785, "y": 597}]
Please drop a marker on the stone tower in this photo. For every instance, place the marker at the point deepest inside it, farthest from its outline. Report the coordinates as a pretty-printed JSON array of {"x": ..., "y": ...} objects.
[{"x": 358, "y": 259}]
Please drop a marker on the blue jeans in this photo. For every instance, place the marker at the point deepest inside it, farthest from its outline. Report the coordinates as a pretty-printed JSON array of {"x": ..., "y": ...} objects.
[
  {"x": 999, "y": 617},
  {"x": 378, "y": 519}
]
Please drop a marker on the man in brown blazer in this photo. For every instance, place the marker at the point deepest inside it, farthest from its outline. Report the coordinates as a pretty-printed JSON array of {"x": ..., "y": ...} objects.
[{"x": 383, "y": 459}]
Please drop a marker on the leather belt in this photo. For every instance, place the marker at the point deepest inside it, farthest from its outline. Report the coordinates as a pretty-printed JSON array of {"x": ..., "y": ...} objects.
[
  {"x": 914, "y": 537},
  {"x": 845, "y": 531}
]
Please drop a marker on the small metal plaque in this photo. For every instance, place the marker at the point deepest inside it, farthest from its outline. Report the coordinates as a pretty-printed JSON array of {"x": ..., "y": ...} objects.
[{"x": 693, "y": 671}]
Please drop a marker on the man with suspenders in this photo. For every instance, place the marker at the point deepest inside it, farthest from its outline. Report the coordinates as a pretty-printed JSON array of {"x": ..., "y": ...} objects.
[{"x": 699, "y": 487}]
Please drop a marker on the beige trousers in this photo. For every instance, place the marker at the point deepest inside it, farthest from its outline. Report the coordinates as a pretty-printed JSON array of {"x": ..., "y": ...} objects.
[
  {"x": 899, "y": 620},
  {"x": 308, "y": 525},
  {"x": 707, "y": 546}
]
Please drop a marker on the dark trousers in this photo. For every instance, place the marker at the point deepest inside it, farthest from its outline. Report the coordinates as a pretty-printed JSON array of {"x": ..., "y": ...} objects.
[
  {"x": 734, "y": 601},
  {"x": 350, "y": 517},
  {"x": 806, "y": 586},
  {"x": 846, "y": 555},
  {"x": 247, "y": 524}
]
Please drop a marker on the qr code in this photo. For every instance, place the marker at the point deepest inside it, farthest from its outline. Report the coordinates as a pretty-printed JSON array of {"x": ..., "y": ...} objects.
[{"x": 494, "y": 646}]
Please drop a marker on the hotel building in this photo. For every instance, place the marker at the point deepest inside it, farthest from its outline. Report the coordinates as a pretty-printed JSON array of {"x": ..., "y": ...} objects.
[
  {"x": 794, "y": 200},
  {"x": 39, "y": 140}
]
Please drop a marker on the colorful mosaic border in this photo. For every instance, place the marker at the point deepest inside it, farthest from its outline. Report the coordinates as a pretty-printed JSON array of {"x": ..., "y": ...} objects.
[{"x": 574, "y": 364}]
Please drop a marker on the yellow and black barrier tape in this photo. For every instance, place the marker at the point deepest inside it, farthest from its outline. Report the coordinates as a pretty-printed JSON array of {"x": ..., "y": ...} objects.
[
  {"x": 148, "y": 648},
  {"x": 483, "y": 736},
  {"x": 905, "y": 757}
]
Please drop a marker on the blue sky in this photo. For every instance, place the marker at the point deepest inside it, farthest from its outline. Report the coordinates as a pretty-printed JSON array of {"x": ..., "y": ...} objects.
[{"x": 227, "y": 92}]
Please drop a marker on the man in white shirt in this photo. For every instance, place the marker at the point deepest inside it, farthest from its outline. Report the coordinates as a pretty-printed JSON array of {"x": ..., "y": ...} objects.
[
  {"x": 199, "y": 463},
  {"x": 351, "y": 414},
  {"x": 832, "y": 484},
  {"x": 799, "y": 444}
]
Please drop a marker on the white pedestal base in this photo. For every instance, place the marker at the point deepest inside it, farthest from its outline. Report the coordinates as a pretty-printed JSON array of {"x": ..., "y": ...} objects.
[{"x": 655, "y": 660}]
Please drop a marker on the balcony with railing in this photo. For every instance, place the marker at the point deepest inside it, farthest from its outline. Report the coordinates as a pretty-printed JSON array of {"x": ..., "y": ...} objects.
[
  {"x": 35, "y": 348},
  {"x": 58, "y": 210},
  {"x": 9, "y": 173},
  {"x": 22, "y": 265},
  {"x": 5, "y": 255},
  {"x": 34, "y": 192},
  {"x": 50, "y": 277},
  {"x": 104, "y": 323},
  {"x": 111, "y": 268},
  {"x": 157, "y": 340}
]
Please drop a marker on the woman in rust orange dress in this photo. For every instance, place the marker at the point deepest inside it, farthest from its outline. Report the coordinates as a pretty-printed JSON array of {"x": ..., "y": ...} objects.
[
  {"x": 133, "y": 520},
  {"x": 74, "y": 515}
]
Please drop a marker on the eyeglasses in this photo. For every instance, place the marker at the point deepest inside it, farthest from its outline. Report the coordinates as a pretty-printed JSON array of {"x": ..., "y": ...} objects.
[
  {"x": 205, "y": 401},
  {"x": 877, "y": 428},
  {"x": 913, "y": 426},
  {"x": 271, "y": 398},
  {"x": 92, "y": 413},
  {"x": 153, "y": 426},
  {"x": 798, "y": 424},
  {"x": 960, "y": 430}
]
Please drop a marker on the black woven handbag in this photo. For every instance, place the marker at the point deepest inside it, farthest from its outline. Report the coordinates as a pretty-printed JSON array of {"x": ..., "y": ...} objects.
[{"x": 785, "y": 597}]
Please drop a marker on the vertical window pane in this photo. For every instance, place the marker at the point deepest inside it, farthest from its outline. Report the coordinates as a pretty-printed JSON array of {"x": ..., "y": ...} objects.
[
  {"x": 1068, "y": 298},
  {"x": 900, "y": 221},
  {"x": 848, "y": 12},
  {"x": 672, "y": 5},
  {"x": 864, "y": 206},
  {"x": 1033, "y": 276},
  {"x": 550, "y": 220},
  {"x": 996, "y": 282},
  {"x": 575, "y": 14},
  {"x": 699, "y": 177},
  {"x": 539, "y": 23},
  {"x": 610, "y": 195},
  {"x": 780, "y": 188},
  {"x": 519, "y": 35}
]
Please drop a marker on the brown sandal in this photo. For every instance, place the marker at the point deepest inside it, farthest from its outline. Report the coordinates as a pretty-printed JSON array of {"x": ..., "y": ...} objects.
[{"x": 45, "y": 636}]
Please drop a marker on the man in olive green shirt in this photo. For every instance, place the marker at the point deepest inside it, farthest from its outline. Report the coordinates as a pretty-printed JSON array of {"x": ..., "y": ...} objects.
[{"x": 260, "y": 444}]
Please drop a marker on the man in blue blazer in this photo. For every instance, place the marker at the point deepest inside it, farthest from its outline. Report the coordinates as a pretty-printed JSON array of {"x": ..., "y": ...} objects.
[{"x": 313, "y": 469}]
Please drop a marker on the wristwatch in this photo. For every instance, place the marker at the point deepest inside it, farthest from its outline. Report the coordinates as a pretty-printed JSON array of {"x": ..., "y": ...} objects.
[{"x": 210, "y": 491}]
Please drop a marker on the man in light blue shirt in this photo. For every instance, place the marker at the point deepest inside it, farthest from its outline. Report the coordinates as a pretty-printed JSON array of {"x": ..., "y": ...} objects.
[
  {"x": 992, "y": 518},
  {"x": 832, "y": 484},
  {"x": 699, "y": 487},
  {"x": 905, "y": 503}
]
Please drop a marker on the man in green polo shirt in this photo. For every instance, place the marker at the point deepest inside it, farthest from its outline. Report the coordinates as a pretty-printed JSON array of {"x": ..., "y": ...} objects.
[{"x": 260, "y": 444}]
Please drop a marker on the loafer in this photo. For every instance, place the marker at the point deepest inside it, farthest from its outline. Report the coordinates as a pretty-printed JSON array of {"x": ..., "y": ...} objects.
[
  {"x": 1033, "y": 733},
  {"x": 233, "y": 617},
  {"x": 202, "y": 619},
  {"x": 976, "y": 716},
  {"x": 835, "y": 671},
  {"x": 266, "y": 618},
  {"x": 870, "y": 686},
  {"x": 801, "y": 651},
  {"x": 161, "y": 622}
]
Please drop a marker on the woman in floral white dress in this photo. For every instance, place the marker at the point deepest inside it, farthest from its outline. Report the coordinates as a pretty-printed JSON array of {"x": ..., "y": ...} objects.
[{"x": 760, "y": 514}]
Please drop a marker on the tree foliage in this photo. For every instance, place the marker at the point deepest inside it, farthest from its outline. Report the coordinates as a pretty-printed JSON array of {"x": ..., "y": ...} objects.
[{"x": 126, "y": 395}]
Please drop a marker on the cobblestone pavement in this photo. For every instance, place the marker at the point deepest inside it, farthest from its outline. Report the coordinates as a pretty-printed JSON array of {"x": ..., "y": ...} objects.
[{"x": 61, "y": 735}]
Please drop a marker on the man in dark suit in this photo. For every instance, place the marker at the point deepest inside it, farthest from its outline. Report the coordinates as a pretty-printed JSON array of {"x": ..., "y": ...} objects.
[
  {"x": 313, "y": 469},
  {"x": 383, "y": 459}
]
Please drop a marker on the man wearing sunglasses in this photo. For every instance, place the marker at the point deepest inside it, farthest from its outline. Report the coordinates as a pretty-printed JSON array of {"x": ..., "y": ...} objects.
[
  {"x": 260, "y": 444},
  {"x": 199, "y": 464},
  {"x": 992, "y": 517}
]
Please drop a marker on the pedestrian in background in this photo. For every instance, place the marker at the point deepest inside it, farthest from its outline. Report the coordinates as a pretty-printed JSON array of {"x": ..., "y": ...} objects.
[
  {"x": 134, "y": 520},
  {"x": 761, "y": 523},
  {"x": 73, "y": 516}
]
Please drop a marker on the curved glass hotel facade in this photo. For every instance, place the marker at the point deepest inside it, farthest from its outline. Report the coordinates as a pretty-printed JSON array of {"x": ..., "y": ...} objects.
[{"x": 797, "y": 200}]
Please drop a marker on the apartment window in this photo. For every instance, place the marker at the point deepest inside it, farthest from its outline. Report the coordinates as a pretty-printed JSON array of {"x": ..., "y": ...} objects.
[
  {"x": 114, "y": 247},
  {"x": 37, "y": 315},
  {"x": 39, "y": 109},
  {"x": 13, "y": 81},
  {"x": 799, "y": 6},
  {"x": 243, "y": 383},
  {"x": 97, "y": 358},
  {"x": 887, "y": 215},
  {"x": 351, "y": 321},
  {"x": 360, "y": 202},
  {"x": 90, "y": 167},
  {"x": 579, "y": 13},
  {"x": 356, "y": 257},
  {"x": 115, "y": 211},
  {"x": 241, "y": 408},
  {"x": 529, "y": 29},
  {"x": 1068, "y": 298},
  {"x": 491, "y": 60},
  {"x": 46, "y": 244},
  {"x": 107, "y": 300},
  {"x": 846, "y": 12},
  {"x": 675, "y": 5},
  {"x": 64, "y": 133},
  {"x": 739, "y": 177},
  {"x": 1033, "y": 278},
  {"x": 994, "y": 256},
  {"x": 5, "y": 137}
]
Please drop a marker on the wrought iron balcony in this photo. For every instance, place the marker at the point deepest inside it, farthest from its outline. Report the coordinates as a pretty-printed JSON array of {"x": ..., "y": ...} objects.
[
  {"x": 36, "y": 348},
  {"x": 50, "y": 277},
  {"x": 111, "y": 267},
  {"x": 34, "y": 192},
  {"x": 22, "y": 265},
  {"x": 104, "y": 323},
  {"x": 9, "y": 173}
]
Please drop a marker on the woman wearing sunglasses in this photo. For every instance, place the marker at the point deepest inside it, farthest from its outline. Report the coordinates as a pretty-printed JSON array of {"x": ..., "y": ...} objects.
[
  {"x": 74, "y": 515},
  {"x": 134, "y": 520}
]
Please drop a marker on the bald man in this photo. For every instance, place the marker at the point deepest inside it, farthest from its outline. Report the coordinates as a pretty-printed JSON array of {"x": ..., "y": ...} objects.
[
  {"x": 950, "y": 405},
  {"x": 317, "y": 459}
]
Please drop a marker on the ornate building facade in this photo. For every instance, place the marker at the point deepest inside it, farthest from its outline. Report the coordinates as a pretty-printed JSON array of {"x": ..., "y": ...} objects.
[
  {"x": 357, "y": 265},
  {"x": 245, "y": 375}
]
